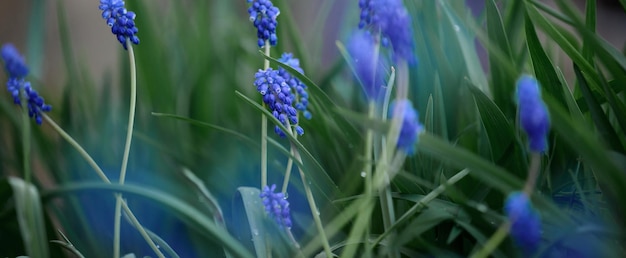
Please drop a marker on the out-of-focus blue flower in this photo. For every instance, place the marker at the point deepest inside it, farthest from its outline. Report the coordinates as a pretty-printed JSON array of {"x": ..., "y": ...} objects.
[
  {"x": 276, "y": 205},
  {"x": 263, "y": 14},
  {"x": 366, "y": 63},
  {"x": 302, "y": 96},
  {"x": 525, "y": 222},
  {"x": 13, "y": 62},
  {"x": 410, "y": 125},
  {"x": 121, "y": 21},
  {"x": 390, "y": 20},
  {"x": 17, "y": 70},
  {"x": 279, "y": 98},
  {"x": 533, "y": 113}
]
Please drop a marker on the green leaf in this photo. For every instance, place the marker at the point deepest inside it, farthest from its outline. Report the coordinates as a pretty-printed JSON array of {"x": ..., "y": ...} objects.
[
  {"x": 255, "y": 212},
  {"x": 194, "y": 218},
  {"x": 544, "y": 69},
  {"x": 597, "y": 113},
  {"x": 209, "y": 125},
  {"x": 29, "y": 216},
  {"x": 499, "y": 130},
  {"x": 466, "y": 42},
  {"x": 502, "y": 85},
  {"x": 578, "y": 136}
]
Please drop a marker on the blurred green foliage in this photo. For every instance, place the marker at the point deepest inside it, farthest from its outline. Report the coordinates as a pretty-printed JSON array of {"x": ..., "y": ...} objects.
[{"x": 195, "y": 55}]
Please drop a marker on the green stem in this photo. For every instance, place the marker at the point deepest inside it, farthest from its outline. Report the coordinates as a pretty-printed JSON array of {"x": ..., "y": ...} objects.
[
  {"x": 287, "y": 174},
  {"x": 129, "y": 137},
  {"x": 266, "y": 64},
  {"x": 533, "y": 173},
  {"x": 26, "y": 140},
  {"x": 494, "y": 241},
  {"x": 314, "y": 210},
  {"x": 367, "y": 168},
  {"x": 104, "y": 178},
  {"x": 309, "y": 196}
]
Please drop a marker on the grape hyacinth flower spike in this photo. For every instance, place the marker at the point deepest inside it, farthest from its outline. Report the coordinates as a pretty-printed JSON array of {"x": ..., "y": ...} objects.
[
  {"x": 263, "y": 15},
  {"x": 410, "y": 127},
  {"x": 301, "y": 94},
  {"x": 16, "y": 69},
  {"x": 533, "y": 113},
  {"x": 364, "y": 58},
  {"x": 121, "y": 21},
  {"x": 390, "y": 20},
  {"x": 281, "y": 92},
  {"x": 276, "y": 206},
  {"x": 525, "y": 221}
]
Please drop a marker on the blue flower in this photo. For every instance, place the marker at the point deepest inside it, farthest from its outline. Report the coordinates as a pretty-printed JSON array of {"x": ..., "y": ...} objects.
[
  {"x": 390, "y": 20},
  {"x": 263, "y": 14},
  {"x": 525, "y": 222},
  {"x": 278, "y": 96},
  {"x": 13, "y": 62},
  {"x": 302, "y": 96},
  {"x": 36, "y": 103},
  {"x": 276, "y": 205},
  {"x": 365, "y": 60},
  {"x": 410, "y": 127},
  {"x": 121, "y": 21},
  {"x": 17, "y": 70},
  {"x": 533, "y": 113}
]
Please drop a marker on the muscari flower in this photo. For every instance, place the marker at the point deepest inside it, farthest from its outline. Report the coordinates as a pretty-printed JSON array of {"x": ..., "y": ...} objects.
[
  {"x": 533, "y": 113},
  {"x": 525, "y": 222},
  {"x": 276, "y": 205},
  {"x": 263, "y": 14},
  {"x": 365, "y": 61},
  {"x": 278, "y": 97},
  {"x": 410, "y": 127},
  {"x": 390, "y": 20},
  {"x": 13, "y": 62},
  {"x": 302, "y": 96},
  {"x": 121, "y": 21},
  {"x": 17, "y": 70}
]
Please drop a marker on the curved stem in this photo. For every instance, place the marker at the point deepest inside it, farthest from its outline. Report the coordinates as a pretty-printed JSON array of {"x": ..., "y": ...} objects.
[
  {"x": 104, "y": 178},
  {"x": 129, "y": 137}
]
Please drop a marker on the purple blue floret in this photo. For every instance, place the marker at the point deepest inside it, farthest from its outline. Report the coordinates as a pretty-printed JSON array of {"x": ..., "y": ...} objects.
[
  {"x": 410, "y": 127},
  {"x": 390, "y": 20},
  {"x": 276, "y": 206},
  {"x": 121, "y": 21},
  {"x": 263, "y": 15},
  {"x": 533, "y": 113},
  {"x": 525, "y": 222}
]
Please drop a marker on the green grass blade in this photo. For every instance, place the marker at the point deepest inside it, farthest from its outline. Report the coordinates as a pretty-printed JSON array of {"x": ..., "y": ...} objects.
[
  {"x": 580, "y": 138},
  {"x": 597, "y": 114},
  {"x": 544, "y": 69},
  {"x": 194, "y": 218},
  {"x": 30, "y": 217},
  {"x": 502, "y": 85},
  {"x": 255, "y": 213},
  {"x": 466, "y": 42}
]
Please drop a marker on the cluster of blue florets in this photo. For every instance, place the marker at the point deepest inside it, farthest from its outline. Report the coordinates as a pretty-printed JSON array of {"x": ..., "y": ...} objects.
[
  {"x": 121, "y": 21},
  {"x": 367, "y": 65},
  {"x": 277, "y": 95},
  {"x": 263, "y": 14},
  {"x": 390, "y": 20},
  {"x": 284, "y": 94},
  {"x": 276, "y": 206},
  {"x": 302, "y": 96},
  {"x": 525, "y": 222},
  {"x": 16, "y": 69},
  {"x": 533, "y": 113},
  {"x": 410, "y": 127}
]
